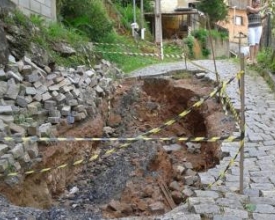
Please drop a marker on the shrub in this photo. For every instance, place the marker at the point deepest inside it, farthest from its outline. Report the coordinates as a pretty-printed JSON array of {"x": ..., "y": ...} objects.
[
  {"x": 189, "y": 41},
  {"x": 87, "y": 16}
]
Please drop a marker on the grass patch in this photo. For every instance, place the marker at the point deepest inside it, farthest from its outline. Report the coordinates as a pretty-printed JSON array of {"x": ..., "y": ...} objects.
[{"x": 182, "y": 75}]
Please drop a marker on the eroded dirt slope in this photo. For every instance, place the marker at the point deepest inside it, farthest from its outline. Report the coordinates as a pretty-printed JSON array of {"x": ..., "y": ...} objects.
[{"x": 127, "y": 182}]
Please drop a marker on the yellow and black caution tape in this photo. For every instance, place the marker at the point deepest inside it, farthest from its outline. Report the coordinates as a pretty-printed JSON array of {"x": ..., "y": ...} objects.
[
  {"x": 239, "y": 76},
  {"x": 113, "y": 150},
  {"x": 231, "y": 162},
  {"x": 220, "y": 96},
  {"x": 177, "y": 56},
  {"x": 129, "y": 53},
  {"x": 58, "y": 167},
  {"x": 180, "y": 139},
  {"x": 141, "y": 137},
  {"x": 116, "y": 44},
  {"x": 232, "y": 109}
]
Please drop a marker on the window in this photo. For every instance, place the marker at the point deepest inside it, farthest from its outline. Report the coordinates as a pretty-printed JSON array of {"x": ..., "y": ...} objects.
[{"x": 238, "y": 20}]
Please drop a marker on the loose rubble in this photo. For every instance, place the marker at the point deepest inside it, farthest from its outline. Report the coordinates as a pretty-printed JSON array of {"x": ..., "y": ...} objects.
[{"x": 35, "y": 100}]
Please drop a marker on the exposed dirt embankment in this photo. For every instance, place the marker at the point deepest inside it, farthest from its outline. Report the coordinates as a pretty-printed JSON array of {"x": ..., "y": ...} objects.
[{"x": 131, "y": 180}]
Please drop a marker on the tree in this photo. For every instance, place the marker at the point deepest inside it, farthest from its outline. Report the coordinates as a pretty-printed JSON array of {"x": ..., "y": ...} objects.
[
  {"x": 216, "y": 10},
  {"x": 146, "y": 3}
]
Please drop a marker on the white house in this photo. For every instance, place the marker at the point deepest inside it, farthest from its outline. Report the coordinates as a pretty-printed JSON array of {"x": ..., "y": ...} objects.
[
  {"x": 178, "y": 18},
  {"x": 169, "y": 6}
]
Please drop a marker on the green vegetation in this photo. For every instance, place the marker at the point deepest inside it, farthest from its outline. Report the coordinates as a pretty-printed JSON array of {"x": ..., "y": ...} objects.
[
  {"x": 121, "y": 48},
  {"x": 79, "y": 26},
  {"x": 97, "y": 21},
  {"x": 250, "y": 207},
  {"x": 216, "y": 10},
  {"x": 147, "y": 4},
  {"x": 266, "y": 58},
  {"x": 182, "y": 75},
  {"x": 89, "y": 17},
  {"x": 189, "y": 41},
  {"x": 203, "y": 35}
]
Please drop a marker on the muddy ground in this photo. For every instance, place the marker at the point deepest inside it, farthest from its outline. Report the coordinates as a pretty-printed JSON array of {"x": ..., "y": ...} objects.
[{"x": 143, "y": 178}]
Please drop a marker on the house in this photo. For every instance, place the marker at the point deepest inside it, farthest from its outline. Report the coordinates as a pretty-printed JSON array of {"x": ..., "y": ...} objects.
[
  {"x": 45, "y": 8},
  {"x": 178, "y": 18},
  {"x": 236, "y": 24}
]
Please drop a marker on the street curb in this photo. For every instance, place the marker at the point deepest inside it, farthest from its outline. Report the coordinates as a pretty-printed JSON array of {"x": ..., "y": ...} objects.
[{"x": 268, "y": 77}]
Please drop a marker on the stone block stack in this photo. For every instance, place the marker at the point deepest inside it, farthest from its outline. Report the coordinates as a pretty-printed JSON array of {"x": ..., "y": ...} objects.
[{"x": 33, "y": 100}]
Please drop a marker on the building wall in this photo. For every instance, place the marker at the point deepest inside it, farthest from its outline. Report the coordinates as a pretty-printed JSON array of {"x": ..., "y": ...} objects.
[
  {"x": 240, "y": 24},
  {"x": 45, "y": 8},
  {"x": 169, "y": 6}
]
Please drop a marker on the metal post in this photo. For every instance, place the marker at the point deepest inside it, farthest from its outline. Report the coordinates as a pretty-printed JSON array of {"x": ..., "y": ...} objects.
[
  {"x": 242, "y": 116},
  {"x": 134, "y": 11},
  {"x": 158, "y": 26},
  {"x": 141, "y": 14}
]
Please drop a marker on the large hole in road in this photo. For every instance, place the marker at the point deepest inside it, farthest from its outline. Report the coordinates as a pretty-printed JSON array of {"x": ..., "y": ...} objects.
[{"x": 141, "y": 178}]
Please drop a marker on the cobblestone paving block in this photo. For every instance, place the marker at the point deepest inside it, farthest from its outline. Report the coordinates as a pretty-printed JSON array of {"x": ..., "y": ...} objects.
[
  {"x": 206, "y": 209},
  {"x": 206, "y": 179},
  {"x": 198, "y": 200},
  {"x": 261, "y": 173},
  {"x": 3, "y": 149},
  {"x": 265, "y": 160},
  {"x": 265, "y": 209},
  {"x": 226, "y": 217},
  {"x": 236, "y": 212},
  {"x": 240, "y": 197},
  {"x": 267, "y": 193},
  {"x": 6, "y": 109},
  {"x": 262, "y": 200},
  {"x": 208, "y": 194},
  {"x": 264, "y": 186},
  {"x": 270, "y": 143},
  {"x": 182, "y": 216},
  {"x": 252, "y": 192},
  {"x": 230, "y": 203},
  {"x": 257, "y": 216}
]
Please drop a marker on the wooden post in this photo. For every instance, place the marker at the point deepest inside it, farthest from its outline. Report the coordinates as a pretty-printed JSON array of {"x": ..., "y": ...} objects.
[
  {"x": 242, "y": 126},
  {"x": 240, "y": 36},
  {"x": 213, "y": 51}
]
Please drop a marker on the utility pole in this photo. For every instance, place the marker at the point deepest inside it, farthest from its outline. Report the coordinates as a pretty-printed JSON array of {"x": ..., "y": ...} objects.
[
  {"x": 141, "y": 14},
  {"x": 134, "y": 11},
  {"x": 158, "y": 27},
  {"x": 268, "y": 31}
]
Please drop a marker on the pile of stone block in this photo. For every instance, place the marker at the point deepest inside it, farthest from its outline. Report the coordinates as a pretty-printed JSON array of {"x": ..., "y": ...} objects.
[{"x": 34, "y": 100}]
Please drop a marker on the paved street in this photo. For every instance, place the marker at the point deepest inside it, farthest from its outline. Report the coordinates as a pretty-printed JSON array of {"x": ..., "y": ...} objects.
[{"x": 223, "y": 201}]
